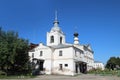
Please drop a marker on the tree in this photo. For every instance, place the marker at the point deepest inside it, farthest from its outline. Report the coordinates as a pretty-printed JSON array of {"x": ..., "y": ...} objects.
[
  {"x": 13, "y": 52},
  {"x": 3, "y": 49},
  {"x": 113, "y": 62}
]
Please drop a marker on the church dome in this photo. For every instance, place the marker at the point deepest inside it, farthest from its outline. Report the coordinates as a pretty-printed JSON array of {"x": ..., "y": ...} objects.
[
  {"x": 56, "y": 28},
  {"x": 76, "y": 34}
]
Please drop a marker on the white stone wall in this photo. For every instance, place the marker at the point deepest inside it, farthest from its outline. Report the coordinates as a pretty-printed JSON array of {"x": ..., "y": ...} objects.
[
  {"x": 46, "y": 56},
  {"x": 89, "y": 59},
  {"x": 67, "y": 53},
  {"x": 99, "y": 65},
  {"x": 57, "y": 36},
  {"x": 66, "y": 58},
  {"x": 78, "y": 55},
  {"x": 66, "y": 70},
  {"x": 52, "y": 60}
]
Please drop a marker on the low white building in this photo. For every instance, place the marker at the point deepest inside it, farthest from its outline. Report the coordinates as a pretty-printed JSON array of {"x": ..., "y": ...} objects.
[
  {"x": 59, "y": 57},
  {"x": 99, "y": 65}
]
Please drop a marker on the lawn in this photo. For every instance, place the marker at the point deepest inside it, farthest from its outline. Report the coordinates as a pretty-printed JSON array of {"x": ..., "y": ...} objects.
[
  {"x": 3, "y": 75},
  {"x": 105, "y": 72},
  {"x": 16, "y": 77}
]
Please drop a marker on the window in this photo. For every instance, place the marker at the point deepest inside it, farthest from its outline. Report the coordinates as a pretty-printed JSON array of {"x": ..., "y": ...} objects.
[
  {"x": 52, "y": 39},
  {"x": 60, "y": 40},
  {"x": 75, "y": 53},
  {"x": 66, "y": 65},
  {"x": 60, "y": 53},
  {"x": 60, "y": 67},
  {"x": 32, "y": 55},
  {"x": 41, "y": 53}
]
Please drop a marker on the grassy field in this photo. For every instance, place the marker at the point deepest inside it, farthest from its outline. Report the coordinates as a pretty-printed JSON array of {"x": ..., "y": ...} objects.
[
  {"x": 4, "y": 75},
  {"x": 16, "y": 77},
  {"x": 105, "y": 72}
]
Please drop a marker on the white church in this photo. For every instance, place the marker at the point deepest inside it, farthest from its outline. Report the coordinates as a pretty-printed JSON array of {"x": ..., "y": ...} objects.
[{"x": 59, "y": 57}]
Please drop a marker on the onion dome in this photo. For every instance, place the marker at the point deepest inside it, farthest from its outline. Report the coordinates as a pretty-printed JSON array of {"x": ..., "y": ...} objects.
[{"x": 76, "y": 34}]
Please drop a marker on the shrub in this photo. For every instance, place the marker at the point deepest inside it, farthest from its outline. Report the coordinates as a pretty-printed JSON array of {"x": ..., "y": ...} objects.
[{"x": 3, "y": 73}]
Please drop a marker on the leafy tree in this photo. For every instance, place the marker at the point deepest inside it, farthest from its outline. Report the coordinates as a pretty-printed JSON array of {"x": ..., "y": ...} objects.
[
  {"x": 113, "y": 62},
  {"x": 3, "y": 49},
  {"x": 13, "y": 52}
]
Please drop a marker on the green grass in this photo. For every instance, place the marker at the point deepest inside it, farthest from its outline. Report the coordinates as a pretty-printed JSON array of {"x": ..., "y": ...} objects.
[
  {"x": 105, "y": 72},
  {"x": 4, "y": 75},
  {"x": 16, "y": 77}
]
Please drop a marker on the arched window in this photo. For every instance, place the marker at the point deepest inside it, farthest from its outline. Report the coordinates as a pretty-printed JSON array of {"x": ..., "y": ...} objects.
[
  {"x": 60, "y": 40},
  {"x": 52, "y": 39}
]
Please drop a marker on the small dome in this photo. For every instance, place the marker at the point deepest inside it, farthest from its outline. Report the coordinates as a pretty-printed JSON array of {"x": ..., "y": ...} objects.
[
  {"x": 56, "y": 27},
  {"x": 76, "y": 34}
]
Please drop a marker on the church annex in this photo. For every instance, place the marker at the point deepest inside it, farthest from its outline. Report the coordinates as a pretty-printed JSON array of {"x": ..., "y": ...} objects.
[{"x": 59, "y": 57}]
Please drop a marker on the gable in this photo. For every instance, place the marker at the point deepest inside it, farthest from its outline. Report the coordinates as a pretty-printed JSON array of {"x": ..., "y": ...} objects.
[
  {"x": 41, "y": 46},
  {"x": 89, "y": 47}
]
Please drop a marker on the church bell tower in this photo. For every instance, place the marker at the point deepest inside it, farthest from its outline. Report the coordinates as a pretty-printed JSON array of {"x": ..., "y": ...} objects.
[{"x": 55, "y": 36}]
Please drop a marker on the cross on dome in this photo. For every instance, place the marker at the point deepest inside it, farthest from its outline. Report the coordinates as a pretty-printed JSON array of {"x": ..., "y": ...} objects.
[
  {"x": 56, "y": 26},
  {"x": 56, "y": 21},
  {"x": 55, "y": 15}
]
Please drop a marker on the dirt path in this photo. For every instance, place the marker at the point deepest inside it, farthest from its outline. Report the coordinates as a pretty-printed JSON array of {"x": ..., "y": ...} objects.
[{"x": 78, "y": 77}]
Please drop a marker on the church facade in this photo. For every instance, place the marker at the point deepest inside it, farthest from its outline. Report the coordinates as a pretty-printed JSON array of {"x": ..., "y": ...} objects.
[{"x": 59, "y": 57}]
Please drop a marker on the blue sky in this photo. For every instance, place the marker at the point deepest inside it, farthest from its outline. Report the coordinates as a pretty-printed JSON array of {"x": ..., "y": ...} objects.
[{"x": 97, "y": 22}]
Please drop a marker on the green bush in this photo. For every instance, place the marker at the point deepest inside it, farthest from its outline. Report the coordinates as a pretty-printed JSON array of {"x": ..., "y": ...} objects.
[
  {"x": 2, "y": 73},
  {"x": 95, "y": 71},
  {"x": 118, "y": 73}
]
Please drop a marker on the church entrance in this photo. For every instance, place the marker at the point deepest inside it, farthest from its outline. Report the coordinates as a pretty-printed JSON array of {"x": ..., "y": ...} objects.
[
  {"x": 80, "y": 67},
  {"x": 37, "y": 66}
]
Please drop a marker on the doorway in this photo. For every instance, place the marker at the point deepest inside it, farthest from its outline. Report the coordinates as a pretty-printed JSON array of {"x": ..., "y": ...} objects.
[
  {"x": 37, "y": 66},
  {"x": 80, "y": 67}
]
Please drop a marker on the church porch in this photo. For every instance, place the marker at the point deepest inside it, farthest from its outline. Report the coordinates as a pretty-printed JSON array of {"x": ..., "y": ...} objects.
[
  {"x": 80, "y": 67},
  {"x": 37, "y": 66}
]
